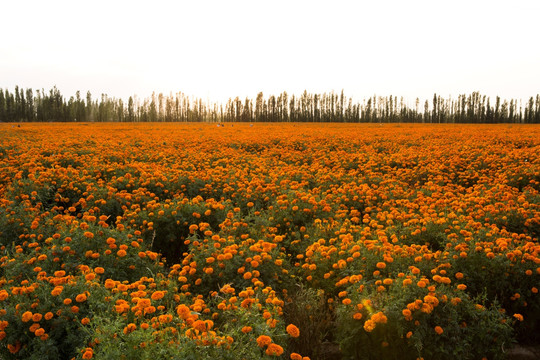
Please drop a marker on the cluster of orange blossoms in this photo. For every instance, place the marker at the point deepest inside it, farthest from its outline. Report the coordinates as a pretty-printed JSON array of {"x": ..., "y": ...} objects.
[{"x": 199, "y": 233}]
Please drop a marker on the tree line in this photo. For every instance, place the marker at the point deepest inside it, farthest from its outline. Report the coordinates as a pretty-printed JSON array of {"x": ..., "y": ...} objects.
[{"x": 25, "y": 105}]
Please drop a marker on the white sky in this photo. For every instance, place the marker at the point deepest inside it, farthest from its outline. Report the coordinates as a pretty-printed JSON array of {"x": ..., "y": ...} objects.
[{"x": 220, "y": 49}]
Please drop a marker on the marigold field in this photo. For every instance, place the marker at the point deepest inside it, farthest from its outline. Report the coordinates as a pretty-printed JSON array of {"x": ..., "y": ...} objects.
[{"x": 193, "y": 241}]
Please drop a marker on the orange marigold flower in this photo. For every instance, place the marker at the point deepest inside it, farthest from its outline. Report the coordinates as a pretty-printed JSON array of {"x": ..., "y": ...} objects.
[
  {"x": 293, "y": 331},
  {"x": 295, "y": 356},
  {"x": 150, "y": 310},
  {"x": 157, "y": 295},
  {"x": 37, "y": 317},
  {"x": 14, "y": 348},
  {"x": 519, "y": 317},
  {"x": 199, "y": 325},
  {"x": 247, "y": 329},
  {"x": 439, "y": 330},
  {"x": 164, "y": 319},
  {"x": 274, "y": 350},
  {"x": 129, "y": 328},
  {"x": 88, "y": 354},
  {"x": 407, "y": 314},
  {"x": 121, "y": 253},
  {"x": 80, "y": 298},
  {"x": 381, "y": 265},
  {"x": 264, "y": 340},
  {"x": 183, "y": 311},
  {"x": 369, "y": 325},
  {"x": 27, "y": 316},
  {"x": 379, "y": 317}
]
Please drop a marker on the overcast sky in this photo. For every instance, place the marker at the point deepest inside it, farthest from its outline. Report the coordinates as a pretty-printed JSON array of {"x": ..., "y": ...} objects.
[{"x": 221, "y": 49}]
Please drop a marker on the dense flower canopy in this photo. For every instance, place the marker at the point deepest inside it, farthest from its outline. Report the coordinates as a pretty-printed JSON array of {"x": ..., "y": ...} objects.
[{"x": 255, "y": 241}]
